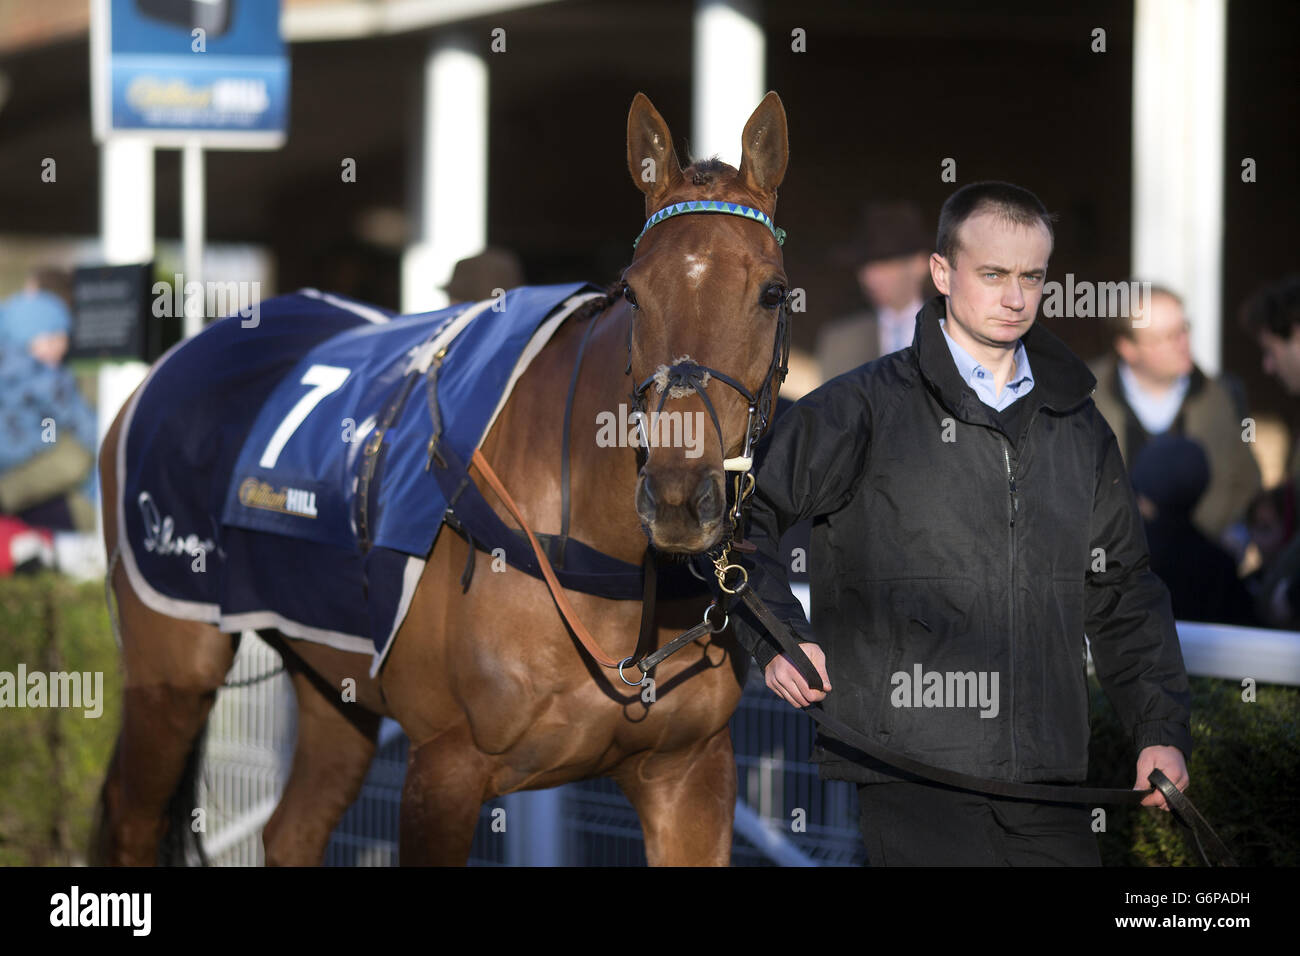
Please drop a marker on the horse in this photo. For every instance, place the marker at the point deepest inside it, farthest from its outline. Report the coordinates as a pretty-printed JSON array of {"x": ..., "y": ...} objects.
[{"x": 489, "y": 683}]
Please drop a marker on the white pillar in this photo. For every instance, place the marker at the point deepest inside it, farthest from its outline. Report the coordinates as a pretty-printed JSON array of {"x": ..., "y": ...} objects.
[
  {"x": 1179, "y": 54},
  {"x": 453, "y": 166},
  {"x": 728, "y": 76},
  {"x": 193, "y": 215},
  {"x": 126, "y": 200},
  {"x": 126, "y": 183}
]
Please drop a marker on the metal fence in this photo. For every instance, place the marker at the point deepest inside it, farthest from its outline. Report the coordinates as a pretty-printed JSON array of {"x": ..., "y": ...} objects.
[{"x": 785, "y": 814}]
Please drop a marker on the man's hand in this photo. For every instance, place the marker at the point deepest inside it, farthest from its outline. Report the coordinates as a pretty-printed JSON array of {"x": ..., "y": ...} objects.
[
  {"x": 784, "y": 679},
  {"x": 1168, "y": 760}
]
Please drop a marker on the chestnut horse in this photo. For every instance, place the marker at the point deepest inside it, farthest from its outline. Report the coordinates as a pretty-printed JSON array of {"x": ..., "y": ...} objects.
[{"x": 490, "y": 686}]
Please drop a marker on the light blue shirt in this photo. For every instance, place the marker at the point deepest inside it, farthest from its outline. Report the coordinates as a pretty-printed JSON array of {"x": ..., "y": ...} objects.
[
  {"x": 981, "y": 379},
  {"x": 1155, "y": 414}
]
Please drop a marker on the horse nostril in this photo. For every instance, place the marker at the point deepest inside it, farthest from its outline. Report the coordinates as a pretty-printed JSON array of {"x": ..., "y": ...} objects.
[
  {"x": 708, "y": 504},
  {"x": 645, "y": 499}
]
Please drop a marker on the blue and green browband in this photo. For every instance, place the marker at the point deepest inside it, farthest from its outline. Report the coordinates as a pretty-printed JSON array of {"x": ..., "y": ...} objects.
[{"x": 713, "y": 205}]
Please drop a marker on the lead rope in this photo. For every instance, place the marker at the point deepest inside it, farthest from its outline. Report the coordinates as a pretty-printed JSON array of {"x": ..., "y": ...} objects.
[
  {"x": 1210, "y": 848},
  {"x": 557, "y": 592}
]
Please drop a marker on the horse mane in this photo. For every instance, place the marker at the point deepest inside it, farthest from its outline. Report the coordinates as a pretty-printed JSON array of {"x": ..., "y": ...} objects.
[
  {"x": 593, "y": 307},
  {"x": 706, "y": 172}
]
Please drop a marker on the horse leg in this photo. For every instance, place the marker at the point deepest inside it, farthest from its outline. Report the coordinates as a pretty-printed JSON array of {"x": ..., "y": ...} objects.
[
  {"x": 336, "y": 742},
  {"x": 173, "y": 670},
  {"x": 686, "y": 801},
  {"x": 446, "y": 783}
]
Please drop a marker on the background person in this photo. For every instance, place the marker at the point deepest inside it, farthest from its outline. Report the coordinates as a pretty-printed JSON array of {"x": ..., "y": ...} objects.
[
  {"x": 890, "y": 256},
  {"x": 48, "y": 433},
  {"x": 475, "y": 278},
  {"x": 1170, "y": 475},
  {"x": 1150, "y": 386}
]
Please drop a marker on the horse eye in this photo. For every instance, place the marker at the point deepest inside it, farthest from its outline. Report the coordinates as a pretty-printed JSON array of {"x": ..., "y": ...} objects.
[
  {"x": 630, "y": 296},
  {"x": 772, "y": 296}
]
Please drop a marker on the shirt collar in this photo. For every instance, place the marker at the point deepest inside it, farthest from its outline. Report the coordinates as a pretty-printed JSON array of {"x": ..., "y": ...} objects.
[
  {"x": 978, "y": 377},
  {"x": 1155, "y": 413},
  {"x": 904, "y": 316}
]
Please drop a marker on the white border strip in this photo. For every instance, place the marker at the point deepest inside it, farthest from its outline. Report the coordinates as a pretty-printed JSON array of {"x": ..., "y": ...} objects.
[
  {"x": 535, "y": 345},
  {"x": 356, "y": 308},
  {"x": 199, "y": 610},
  {"x": 414, "y": 569},
  {"x": 424, "y": 357},
  {"x": 411, "y": 575}
]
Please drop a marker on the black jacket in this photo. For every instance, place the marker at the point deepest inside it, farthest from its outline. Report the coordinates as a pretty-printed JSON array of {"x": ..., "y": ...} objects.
[{"x": 944, "y": 543}]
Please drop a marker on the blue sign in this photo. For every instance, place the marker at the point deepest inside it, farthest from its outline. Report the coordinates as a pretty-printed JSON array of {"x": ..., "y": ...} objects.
[{"x": 177, "y": 70}]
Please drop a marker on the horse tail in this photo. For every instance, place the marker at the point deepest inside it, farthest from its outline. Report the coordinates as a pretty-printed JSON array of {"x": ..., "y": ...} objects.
[
  {"x": 180, "y": 844},
  {"x": 97, "y": 853}
]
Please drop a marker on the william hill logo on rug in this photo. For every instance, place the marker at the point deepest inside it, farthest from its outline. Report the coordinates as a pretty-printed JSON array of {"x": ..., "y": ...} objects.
[{"x": 255, "y": 493}]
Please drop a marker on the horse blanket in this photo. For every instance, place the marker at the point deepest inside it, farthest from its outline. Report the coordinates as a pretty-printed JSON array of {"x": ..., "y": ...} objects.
[{"x": 240, "y": 469}]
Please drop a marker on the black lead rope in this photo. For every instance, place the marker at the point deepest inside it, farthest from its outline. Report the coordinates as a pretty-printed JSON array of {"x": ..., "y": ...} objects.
[{"x": 1211, "y": 849}]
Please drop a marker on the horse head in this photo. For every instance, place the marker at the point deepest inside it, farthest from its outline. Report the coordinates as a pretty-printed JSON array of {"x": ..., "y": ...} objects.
[{"x": 709, "y": 331}]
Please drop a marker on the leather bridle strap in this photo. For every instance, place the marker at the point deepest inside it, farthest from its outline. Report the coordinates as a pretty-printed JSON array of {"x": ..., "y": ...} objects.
[
  {"x": 1208, "y": 844},
  {"x": 580, "y": 631},
  {"x": 564, "y": 444}
]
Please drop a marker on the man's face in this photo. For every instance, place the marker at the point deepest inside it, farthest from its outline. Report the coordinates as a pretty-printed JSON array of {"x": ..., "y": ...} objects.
[
  {"x": 893, "y": 283},
  {"x": 1162, "y": 351},
  {"x": 995, "y": 285},
  {"x": 1281, "y": 358}
]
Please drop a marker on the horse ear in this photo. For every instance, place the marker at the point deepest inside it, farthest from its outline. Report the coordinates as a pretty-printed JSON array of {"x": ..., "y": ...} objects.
[
  {"x": 765, "y": 147},
  {"x": 651, "y": 159}
]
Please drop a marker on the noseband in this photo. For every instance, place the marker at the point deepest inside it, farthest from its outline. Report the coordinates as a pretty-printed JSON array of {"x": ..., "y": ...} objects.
[{"x": 686, "y": 375}]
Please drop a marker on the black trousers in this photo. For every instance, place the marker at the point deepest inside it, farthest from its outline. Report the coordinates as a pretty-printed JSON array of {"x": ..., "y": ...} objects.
[{"x": 921, "y": 824}]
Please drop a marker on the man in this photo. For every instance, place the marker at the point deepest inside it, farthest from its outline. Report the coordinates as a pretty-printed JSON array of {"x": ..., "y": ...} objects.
[
  {"x": 890, "y": 256},
  {"x": 48, "y": 433},
  {"x": 1150, "y": 386},
  {"x": 477, "y": 277},
  {"x": 1272, "y": 315},
  {"x": 974, "y": 519},
  {"x": 1170, "y": 476}
]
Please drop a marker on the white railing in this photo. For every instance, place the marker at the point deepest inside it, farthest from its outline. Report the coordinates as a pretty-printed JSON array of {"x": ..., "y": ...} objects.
[
  {"x": 251, "y": 734},
  {"x": 1214, "y": 650}
]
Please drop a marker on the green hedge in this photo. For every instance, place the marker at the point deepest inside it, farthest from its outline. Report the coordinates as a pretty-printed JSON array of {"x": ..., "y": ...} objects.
[
  {"x": 1243, "y": 771},
  {"x": 53, "y": 760}
]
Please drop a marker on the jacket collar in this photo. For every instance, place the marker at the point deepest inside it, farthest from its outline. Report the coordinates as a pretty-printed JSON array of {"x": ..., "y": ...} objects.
[{"x": 1061, "y": 380}]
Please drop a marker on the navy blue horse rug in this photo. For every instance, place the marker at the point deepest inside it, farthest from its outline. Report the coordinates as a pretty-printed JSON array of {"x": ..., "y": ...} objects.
[{"x": 273, "y": 474}]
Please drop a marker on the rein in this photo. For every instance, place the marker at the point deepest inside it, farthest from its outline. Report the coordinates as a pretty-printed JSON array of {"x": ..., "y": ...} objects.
[{"x": 689, "y": 375}]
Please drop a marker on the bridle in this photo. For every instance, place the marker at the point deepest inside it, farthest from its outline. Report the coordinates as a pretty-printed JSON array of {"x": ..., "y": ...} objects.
[{"x": 686, "y": 375}]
